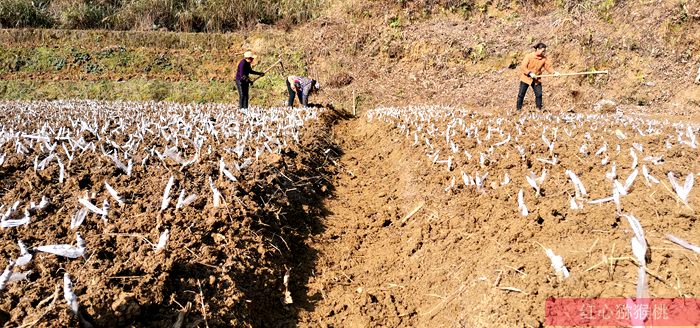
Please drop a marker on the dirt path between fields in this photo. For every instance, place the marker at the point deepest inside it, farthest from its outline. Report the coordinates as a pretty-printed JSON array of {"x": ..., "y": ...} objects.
[{"x": 371, "y": 268}]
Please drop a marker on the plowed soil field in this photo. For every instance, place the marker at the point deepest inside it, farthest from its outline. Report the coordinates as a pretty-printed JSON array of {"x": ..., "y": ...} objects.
[
  {"x": 409, "y": 244},
  {"x": 402, "y": 217}
]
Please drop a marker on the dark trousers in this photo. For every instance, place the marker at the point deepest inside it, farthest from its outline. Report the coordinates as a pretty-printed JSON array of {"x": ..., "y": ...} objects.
[
  {"x": 536, "y": 87},
  {"x": 292, "y": 94},
  {"x": 243, "y": 93}
]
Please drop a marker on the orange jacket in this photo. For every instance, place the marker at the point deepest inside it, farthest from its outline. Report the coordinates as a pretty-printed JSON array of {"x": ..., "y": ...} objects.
[{"x": 534, "y": 63}]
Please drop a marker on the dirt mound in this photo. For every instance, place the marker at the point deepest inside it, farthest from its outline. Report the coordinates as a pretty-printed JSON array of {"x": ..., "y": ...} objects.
[
  {"x": 223, "y": 264},
  {"x": 408, "y": 243}
]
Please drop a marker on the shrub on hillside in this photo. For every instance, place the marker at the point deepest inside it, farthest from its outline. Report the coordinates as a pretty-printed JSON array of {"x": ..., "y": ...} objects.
[
  {"x": 224, "y": 15},
  {"x": 79, "y": 14},
  {"x": 176, "y": 15},
  {"x": 430, "y": 6},
  {"x": 144, "y": 15},
  {"x": 23, "y": 13}
]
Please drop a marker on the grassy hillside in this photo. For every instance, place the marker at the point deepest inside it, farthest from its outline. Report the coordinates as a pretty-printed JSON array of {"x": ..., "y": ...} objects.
[
  {"x": 384, "y": 53},
  {"x": 146, "y": 15},
  {"x": 181, "y": 67}
]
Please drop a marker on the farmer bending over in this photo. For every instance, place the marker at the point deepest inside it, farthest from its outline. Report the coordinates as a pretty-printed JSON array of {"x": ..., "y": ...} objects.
[
  {"x": 243, "y": 80},
  {"x": 303, "y": 87},
  {"x": 532, "y": 65}
]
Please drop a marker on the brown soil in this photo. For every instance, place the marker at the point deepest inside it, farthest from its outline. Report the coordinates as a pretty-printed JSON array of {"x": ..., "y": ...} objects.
[
  {"x": 222, "y": 267},
  {"x": 452, "y": 262},
  {"x": 333, "y": 213}
]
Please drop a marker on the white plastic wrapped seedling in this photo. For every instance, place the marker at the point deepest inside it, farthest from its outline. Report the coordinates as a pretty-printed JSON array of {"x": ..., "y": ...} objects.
[
  {"x": 635, "y": 161},
  {"x": 684, "y": 190},
  {"x": 650, "y": 179},
  {"x": 557, "y": 264},
  {"x": 467, "y": 179},
  {"x": 683, "y": 243},
  {"x": 535, "y": 181},
  {"x": 506, "y": 180},
  {"x": 623, "y": 190},
  {"x": 162, "y": 241},
  {"x": 61, "y": 172},
  {"x": 639, "y": 249},
  {"x": 114, "y": 194},
  {"x": 549, "y": 144},
  {"x": 20, "y": 276},
  {"x": 69, "y": 295},
  {"x": 521, "y": 204},
  {"x": 91, "y": 207},
  {"x": 6, "y": 274},
  {"x": 78, "y": 218},
  {"x": 602, "y": 149},
  {"x": 66, "y": 250},
  {"x": 479, "y": 180},
  {"x": 692, "y": 141},
  {"x": 24, "y": 256},
  {"x": 639, "y": 244},
  {"x": 216, "y": 195},
  {"x": 225, "y": 172},
  {"x": 656, "y": 160},
  {"x": 166, "y": 194},
  {"x": 612, "y": 174},
  {"x": 13, "y": 223},
  {"x": 578, "y": 185}
]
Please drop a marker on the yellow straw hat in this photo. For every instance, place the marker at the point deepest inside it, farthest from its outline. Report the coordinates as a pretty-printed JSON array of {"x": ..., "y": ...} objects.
[{"x": 249, "y": 54}]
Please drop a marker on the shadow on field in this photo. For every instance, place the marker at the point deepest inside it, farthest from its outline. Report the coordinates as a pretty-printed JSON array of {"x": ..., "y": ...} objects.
[
  {"x": 222, "y": 267},
  {"x": 227, "y": 268},
  {"x": 299, "y": 217}
]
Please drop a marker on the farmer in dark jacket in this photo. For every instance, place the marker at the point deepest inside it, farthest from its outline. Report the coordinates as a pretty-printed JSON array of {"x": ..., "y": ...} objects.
[
  {"x": 243, "y": 80},
  {"x": 302, "y": 87}
]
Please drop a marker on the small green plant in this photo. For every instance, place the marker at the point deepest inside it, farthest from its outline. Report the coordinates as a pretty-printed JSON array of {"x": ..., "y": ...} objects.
[
  {"x": 681, "y": 14},
  {"x": 18, "y": 63},
  {"x": 59, "y": 63},
  {"x": 92, "y": 67},
  {"x": 110, "y": 52},
  {"x": 477, "y": 53},
  {"x": 604, "y": 10},
  {"x": 395, "y": 22},
  {"x": 641, "y": 77},
  {"x": 80, "y": 58}
]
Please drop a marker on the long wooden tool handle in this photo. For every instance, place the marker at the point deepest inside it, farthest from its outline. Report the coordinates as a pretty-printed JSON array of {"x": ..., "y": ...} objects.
[
  {"x": 271, "y": 66},
  {"x": 267, "y": 70},
  {"x": 570, "y": 74}
]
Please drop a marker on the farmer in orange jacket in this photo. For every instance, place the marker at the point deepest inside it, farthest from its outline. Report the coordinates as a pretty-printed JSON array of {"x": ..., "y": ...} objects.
[{"x": 533, "y": 65}]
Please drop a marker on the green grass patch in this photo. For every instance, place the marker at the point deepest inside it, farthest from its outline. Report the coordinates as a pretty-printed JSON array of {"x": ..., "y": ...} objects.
[
  {"x": 147, "y": 15},
  {"x": 269, "y": 91}
]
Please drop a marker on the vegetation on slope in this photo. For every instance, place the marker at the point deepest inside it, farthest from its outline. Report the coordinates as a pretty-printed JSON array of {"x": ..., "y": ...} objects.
[
  {"x": 174, "y": 15},
  {"x": 371, "y": 53}
]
